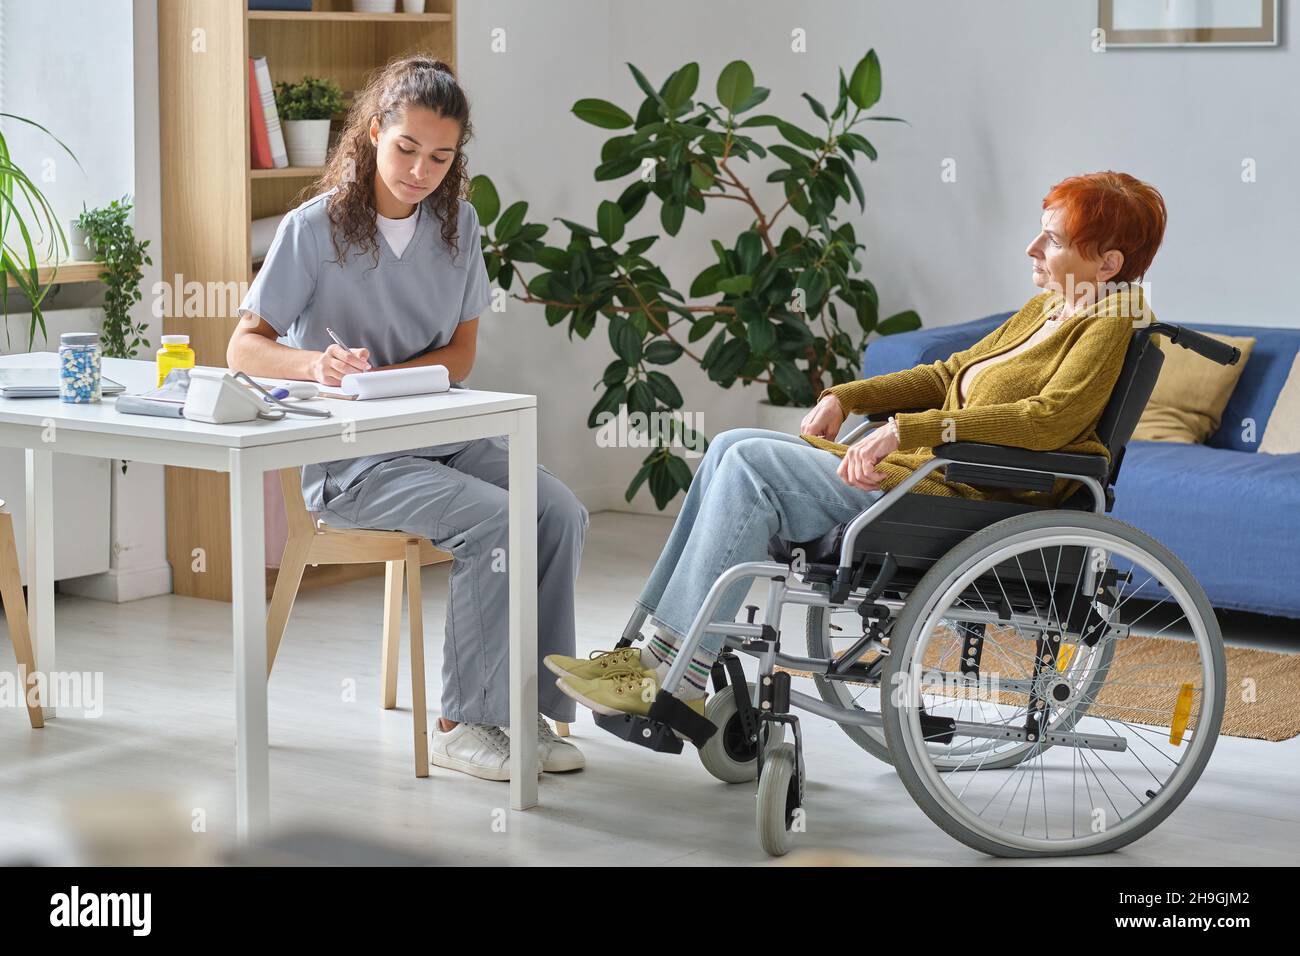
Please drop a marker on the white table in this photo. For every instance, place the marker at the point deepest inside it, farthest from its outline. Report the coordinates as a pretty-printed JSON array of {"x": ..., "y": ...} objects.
[{"x": 43, "y": 426}]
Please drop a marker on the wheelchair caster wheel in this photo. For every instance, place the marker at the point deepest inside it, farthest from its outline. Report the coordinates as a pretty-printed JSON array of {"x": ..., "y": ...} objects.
[
  {"x": 729, "y": 755},
  {"x": 778, "y": 799}
]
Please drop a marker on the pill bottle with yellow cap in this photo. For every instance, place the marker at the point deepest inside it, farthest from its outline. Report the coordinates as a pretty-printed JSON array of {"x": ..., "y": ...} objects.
[{"x": 175, "y": 353}]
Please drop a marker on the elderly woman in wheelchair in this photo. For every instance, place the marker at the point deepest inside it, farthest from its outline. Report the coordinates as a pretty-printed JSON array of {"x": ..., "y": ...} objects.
[{"x": 1047, "y": 680}]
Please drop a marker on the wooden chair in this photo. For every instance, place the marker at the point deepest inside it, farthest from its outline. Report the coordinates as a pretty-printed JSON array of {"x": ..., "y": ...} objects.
[
  {"x": 312, "y": 542},
  {"x": 15, "y": 605}
]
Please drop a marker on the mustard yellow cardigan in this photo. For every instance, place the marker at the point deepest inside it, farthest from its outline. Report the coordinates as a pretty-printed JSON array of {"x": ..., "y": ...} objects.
[{"x": 1050, "y": 397}]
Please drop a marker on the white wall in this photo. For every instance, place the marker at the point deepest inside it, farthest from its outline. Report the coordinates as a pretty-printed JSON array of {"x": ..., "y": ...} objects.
[
  {"x": 80, "y": 89},
  {"x": 534, "y": 149},
  {"x": 1010, "y": 90},
  {"x": 67, "y": 65},
  {"x": 87, "y": 71},
  {"x": 1020, "y": 101}
]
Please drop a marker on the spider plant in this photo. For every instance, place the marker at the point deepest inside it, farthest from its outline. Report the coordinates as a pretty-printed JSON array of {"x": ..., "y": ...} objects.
[{"x": 21, "y": 261}]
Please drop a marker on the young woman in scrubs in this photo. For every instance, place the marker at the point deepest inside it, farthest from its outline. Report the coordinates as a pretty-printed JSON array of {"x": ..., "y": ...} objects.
[{"x": 387, "y": 254}]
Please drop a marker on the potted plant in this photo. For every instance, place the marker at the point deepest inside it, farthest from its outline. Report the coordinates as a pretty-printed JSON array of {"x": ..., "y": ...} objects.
[
  {"x": 20, "y": 260},
  {"x": 778, "y": 295},
  {"x": 78, "y": 248},
  {"x": 112, "y": 242},
  {"x": 305, "y": 110}
]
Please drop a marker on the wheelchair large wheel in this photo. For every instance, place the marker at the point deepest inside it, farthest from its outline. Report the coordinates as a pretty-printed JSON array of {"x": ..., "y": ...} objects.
[
  {"x": 1085, "y": 669},
  {"x": 1057, "y": 762},
  {"x": 842, "y": 694}
]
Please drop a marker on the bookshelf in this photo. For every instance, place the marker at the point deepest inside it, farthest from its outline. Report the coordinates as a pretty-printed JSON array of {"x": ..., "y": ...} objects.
[{"x": 210, "y": 193}]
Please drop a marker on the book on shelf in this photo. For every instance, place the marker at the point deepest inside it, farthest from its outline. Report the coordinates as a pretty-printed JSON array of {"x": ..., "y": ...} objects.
[
  {"x": 266, "y": 94},
  {"x": 258, "y": 138}
]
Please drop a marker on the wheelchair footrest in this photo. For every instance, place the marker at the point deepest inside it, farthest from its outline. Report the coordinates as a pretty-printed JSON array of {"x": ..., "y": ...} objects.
[
  {"x": 656, "y": 730},
  {"x": 641, "y": 730}
]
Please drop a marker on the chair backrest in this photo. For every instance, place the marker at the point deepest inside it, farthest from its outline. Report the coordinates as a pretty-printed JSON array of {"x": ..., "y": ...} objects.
[{"x": 1128, "y": 399}]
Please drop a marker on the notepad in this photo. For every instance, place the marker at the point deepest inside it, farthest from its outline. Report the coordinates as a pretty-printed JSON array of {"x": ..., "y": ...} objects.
[{"x": 395, "y": 382}]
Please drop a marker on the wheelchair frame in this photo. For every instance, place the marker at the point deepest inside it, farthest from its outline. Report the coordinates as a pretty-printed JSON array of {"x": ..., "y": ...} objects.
[
  {"x": 760, "y": 640},
  {"x": 772, "y": 699}
]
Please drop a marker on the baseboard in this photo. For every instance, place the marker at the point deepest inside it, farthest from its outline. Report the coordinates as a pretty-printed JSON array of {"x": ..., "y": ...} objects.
[
  {"x": 119, "y": 586},
  {"x": 611, "y": 498}
]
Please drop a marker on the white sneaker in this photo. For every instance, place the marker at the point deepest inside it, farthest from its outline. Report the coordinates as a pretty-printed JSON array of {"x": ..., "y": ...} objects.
[
  {"x": 554, "y": 753},
  {"x": 480, "y": 750}
]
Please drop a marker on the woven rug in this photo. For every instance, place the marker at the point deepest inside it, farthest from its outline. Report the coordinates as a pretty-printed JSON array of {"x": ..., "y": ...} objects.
[{"x": 1263, "y": 687}]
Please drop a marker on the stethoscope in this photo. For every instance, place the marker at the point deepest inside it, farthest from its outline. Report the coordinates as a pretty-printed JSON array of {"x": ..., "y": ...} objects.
[{"x": 295, "y": 390}]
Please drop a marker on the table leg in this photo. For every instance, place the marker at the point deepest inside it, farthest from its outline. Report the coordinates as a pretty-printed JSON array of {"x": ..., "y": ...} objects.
[
  {"x": 523, "y": 610},
  {"x": 39, "y": 522},
  {"x": 248, "y": 610}
]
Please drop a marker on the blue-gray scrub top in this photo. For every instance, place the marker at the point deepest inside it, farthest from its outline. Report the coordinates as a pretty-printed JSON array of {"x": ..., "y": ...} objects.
[{"x": 398, "y": 309}]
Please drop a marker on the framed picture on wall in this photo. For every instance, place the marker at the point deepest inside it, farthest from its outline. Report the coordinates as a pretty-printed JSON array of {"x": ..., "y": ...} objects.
[{"x": 1168, "y": 23}]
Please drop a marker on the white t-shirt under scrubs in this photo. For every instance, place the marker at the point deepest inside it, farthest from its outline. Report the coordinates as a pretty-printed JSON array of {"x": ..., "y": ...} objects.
[
  {"x": 408, "y": 304},
  {"x": 398, "y": 232}
]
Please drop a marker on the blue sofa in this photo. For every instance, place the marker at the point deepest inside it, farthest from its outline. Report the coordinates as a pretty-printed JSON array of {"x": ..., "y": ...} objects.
[{"x": 1230, "y": 514}]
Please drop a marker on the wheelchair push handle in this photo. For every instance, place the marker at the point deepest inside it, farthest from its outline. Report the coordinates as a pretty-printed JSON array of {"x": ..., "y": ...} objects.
[{"x": 1202, "y": 344}]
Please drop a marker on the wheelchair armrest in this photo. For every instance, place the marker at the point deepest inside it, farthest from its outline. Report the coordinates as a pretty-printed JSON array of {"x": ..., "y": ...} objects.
[
  {"x": 874, "y": 420},
  {"x": 883, "y": 417},
  {"x": 981, "y": 463}
]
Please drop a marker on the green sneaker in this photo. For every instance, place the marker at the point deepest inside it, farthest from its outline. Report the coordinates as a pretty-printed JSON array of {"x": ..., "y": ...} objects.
[
  {"x": 600, "y": 664},
  {"x": 625, "y": 691}
]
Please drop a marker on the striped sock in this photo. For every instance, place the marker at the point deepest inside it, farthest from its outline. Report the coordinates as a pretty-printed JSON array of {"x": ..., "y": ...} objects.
[{"x": 660, "y": 652}]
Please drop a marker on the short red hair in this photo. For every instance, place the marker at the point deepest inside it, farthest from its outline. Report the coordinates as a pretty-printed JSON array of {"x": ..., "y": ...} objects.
[{"x": 1112, "y": 211}]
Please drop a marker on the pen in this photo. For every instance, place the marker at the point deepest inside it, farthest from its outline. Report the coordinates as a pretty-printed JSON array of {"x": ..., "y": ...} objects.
[{"x": 338, "y": 341}]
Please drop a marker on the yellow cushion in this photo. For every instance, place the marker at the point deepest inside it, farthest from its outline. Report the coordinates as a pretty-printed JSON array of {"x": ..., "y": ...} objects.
[
  {"x": 1191, "y": 393},
  {"x": 1282, "y": 434}
]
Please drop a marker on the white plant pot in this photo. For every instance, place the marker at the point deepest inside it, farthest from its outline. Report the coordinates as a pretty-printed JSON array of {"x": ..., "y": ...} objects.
[
  {"x": 412, "y": 6},
  {"x": 307, "y": 141},
  {"x": 78, "y": 248},
  {"x": 374, "y": 6},
  {"x": 780, "y": 418},
  {"x": 789, "y": 418}
]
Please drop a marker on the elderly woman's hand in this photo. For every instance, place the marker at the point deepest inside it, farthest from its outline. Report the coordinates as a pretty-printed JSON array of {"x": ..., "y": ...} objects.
[
  {"x": 859, "y": 465},
  {"x": 825, "y": 419}
]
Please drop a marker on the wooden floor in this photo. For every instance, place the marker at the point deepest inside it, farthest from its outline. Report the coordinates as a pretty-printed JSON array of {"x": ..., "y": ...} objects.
[{"x": 340, "y": 762}]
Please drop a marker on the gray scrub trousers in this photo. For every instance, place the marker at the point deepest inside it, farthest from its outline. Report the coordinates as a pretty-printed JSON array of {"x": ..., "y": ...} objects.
[{"x": 453, "y": 494}]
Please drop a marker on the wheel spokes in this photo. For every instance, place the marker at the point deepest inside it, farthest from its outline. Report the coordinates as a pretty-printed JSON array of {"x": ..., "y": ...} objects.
[{"x": 1108, "y": 740}]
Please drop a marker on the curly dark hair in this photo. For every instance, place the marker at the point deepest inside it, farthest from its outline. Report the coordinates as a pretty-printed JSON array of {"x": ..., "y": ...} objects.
[{"x": 416, "y": 80}]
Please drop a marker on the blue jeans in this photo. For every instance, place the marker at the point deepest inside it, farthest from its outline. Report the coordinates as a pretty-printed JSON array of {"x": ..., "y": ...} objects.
[{"x": 752, "y": 484}]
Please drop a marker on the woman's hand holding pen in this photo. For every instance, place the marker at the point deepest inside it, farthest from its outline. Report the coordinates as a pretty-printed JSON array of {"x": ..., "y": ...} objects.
[{"x": 331, "y": 365}]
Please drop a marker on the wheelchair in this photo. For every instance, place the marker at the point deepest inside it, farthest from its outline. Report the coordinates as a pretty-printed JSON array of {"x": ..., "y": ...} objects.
[{"x": 1045, "y": 681}]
